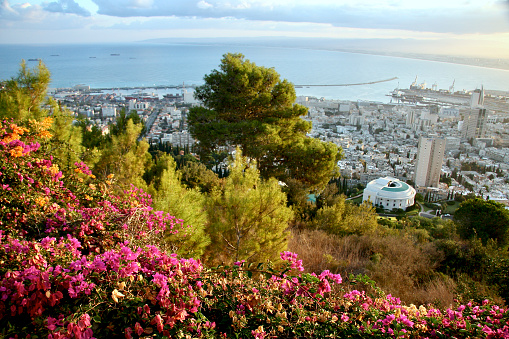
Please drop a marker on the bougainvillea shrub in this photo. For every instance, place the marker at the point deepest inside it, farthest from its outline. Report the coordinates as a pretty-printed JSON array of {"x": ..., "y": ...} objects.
[{"x": 78, "y": 261}]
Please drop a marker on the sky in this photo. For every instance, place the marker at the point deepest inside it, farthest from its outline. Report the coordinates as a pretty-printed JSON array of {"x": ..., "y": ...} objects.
[{"x": 479, "y": 27}]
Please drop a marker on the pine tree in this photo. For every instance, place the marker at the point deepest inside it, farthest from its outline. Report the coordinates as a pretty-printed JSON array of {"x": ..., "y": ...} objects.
[
  {"x": 186, "y": 204},
  {"x": 125, "y": 157},
  {"x": 66, "y": 140},
  {"x": 248, "y": 218},
  {"x": 22, "y": 97},
  {"x": 250, "y": 107},
  {"x": 344, "y": 218}
]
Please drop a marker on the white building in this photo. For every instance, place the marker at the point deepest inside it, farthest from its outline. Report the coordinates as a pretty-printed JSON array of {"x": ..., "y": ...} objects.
[
  {"x": 430, "y": 156},
  {"x": 182, "y": 139},
  {"x": 474, "y": 118},
  {"x": 389, "y": 193},
  {"x": 109, "y": 111},
  {"x": 452, "y": 143},
  {"x": 135, "y": 105}
]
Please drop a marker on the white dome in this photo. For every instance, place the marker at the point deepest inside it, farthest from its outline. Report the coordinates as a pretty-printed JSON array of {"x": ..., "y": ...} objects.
[{"x": 389, "y": 193}]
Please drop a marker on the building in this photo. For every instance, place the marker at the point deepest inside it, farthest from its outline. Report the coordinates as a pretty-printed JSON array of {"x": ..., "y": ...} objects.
[
  {"x": 182, "y": 139},
  {"x": 452, "y": 143},
  {"x": 474, "y": 118},
  {"x": 135, "y": 105},
  {"x": 430, "y": 155},
  {"x": 109, "y": 111},
  {"x": 389, "y": 193},
  {"x": 474, "y": 123}
]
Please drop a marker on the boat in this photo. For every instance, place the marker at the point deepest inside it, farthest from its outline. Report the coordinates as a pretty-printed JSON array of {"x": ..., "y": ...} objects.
[
  {"x": 92, "y": 57},
  {"x": 34, "y": 59},
  {"x": 114, "y": 54},
  {"x": 55, "y": 55}
]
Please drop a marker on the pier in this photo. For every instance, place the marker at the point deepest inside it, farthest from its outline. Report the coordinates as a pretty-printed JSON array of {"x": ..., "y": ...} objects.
[
  {"x": 354, "y": 84},
  {"x": 128, "y": 88}
]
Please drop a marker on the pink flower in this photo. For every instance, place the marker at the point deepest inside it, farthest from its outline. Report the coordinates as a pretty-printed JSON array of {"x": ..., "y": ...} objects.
[{"x": 138, "y": 329}]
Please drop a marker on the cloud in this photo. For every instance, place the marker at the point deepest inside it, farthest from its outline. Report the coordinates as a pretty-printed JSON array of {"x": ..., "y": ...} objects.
[
  {"x": 66, "y": 6},
  {"x": 469, "y": 18},
  {"x": 17, "y": 12},
  {"x": 34, "y": 18},
  {"x": 203, "y": 5}
]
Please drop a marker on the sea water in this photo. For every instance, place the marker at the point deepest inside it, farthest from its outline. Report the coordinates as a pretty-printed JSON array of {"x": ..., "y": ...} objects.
[{"x": 154, "y": 64}]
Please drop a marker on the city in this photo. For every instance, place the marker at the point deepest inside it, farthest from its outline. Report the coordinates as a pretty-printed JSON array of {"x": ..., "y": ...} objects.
[{"x": 456, "y": 129}]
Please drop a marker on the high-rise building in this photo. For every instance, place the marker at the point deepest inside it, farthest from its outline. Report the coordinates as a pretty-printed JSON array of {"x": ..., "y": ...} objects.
[
  {"x": 474, "y": 118},
  {"x": 430, "y": 155}
]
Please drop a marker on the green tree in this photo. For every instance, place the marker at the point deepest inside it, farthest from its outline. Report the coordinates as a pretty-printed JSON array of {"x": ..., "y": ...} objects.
[
  {"x": 249, "y": 106},
  {"x": 66, "y": 139},
  {"x": 248, "y": 218},
  {"x": 22, "y": 97},
  {"x": 186, "y": 204},
  {"x": 120, "y": 125},
  {"x": 478, "y": 218},
  {"x": 196, "y": 175},
  {"x": 125, "y": 157},
  {"x": 92, "y": 136},
  {"x": 344, "y": 218}
]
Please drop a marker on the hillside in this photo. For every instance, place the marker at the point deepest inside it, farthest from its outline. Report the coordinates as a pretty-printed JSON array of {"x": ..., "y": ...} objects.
[{"x": 86, "y": 254}]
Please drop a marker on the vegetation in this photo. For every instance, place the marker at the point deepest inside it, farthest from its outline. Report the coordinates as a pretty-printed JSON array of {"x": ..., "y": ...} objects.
[
  {"x": 486, "y": 220},
  {"x": 84, "y": 253},
  {"x": 248, "y": 216},
  {"x": 250, "y": 107}
]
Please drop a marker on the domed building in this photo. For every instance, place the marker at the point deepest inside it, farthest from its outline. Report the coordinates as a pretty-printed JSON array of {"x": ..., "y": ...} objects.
[{"x": 389, "y": 193}]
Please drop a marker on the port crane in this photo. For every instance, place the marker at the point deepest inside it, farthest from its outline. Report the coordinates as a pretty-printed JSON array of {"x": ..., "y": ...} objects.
[{"x": 451, "y": 88}]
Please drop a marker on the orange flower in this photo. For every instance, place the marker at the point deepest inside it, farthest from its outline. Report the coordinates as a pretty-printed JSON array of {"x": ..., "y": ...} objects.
[
  {"x": 10, "y": 137},
  {"x": 18, "y": 130},
  {"x": 41, "y": 201},
  {"x": 16, "y": 152},
  {"x": 46, "y": 122},
  {"x": 53, "y": 169},
  {"x": 45, "y": 135}
]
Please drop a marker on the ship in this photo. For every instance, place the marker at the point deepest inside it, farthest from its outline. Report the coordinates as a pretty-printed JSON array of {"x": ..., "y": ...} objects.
[{"x": 142, "y": 96}]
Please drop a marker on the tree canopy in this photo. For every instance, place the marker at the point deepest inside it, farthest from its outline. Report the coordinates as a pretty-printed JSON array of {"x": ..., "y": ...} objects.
[
  {"x": 249, "y": 106},
  {"x": 21, "y": 97},
  {"x": 248, "y": 217},
  {"x": 483, "y": 219}
]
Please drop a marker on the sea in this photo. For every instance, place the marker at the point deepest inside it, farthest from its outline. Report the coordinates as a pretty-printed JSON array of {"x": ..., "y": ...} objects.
[{"x": 143, "y": 64}]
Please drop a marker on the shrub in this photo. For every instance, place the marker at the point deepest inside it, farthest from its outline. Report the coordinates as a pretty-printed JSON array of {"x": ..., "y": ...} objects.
[{"x": 87, "y": 263}]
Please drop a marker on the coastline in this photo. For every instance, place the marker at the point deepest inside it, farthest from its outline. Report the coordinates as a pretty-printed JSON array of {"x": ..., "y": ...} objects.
[
  {"x": 335, "y": 45},
  {"x": 502, "y": 64}
]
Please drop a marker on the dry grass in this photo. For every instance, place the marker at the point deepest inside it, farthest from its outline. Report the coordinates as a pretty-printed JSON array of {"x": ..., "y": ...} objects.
[{"x": 395, "y": 262}]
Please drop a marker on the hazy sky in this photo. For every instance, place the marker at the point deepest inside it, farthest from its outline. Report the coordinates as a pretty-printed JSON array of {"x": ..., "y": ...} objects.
[{"x": 472, "y": 23}]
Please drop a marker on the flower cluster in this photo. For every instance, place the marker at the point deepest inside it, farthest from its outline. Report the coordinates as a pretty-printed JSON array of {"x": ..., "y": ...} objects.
[
  {"x": 77, "y": 261},
  {"x": 292, "y": 259}
]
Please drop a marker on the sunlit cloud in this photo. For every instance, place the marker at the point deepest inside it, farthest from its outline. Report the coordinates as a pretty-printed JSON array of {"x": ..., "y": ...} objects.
[{"x": 66, "y": 6}]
